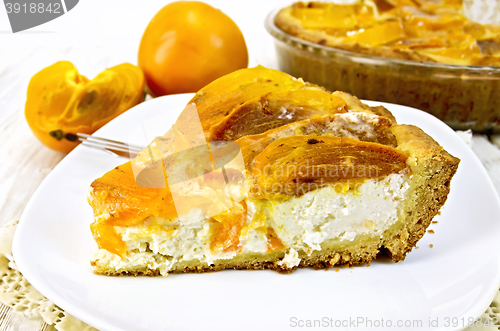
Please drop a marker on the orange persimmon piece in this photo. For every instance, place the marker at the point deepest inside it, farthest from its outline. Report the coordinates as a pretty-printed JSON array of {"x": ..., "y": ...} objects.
[
  {"x": 273, "y": 241},
  {"x": 226, "y": 228},
  {"x": 216, "y": 100},
  {"x": 275, "y": 110},
  {"x": 289, "y": 163},
  {"x": 118, "y": 195},
  {"x": 379, "y": 35},
  {"x": 61, "y": 102}
]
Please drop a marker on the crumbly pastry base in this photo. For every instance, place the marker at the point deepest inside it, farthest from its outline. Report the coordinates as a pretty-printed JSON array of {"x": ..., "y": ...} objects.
[
  {"x": 17, "y": 293},
  {"x": 364, "y": 252}
]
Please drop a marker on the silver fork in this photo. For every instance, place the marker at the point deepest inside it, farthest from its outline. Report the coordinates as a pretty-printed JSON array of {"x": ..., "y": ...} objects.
[{"x": 114, "y": 147}]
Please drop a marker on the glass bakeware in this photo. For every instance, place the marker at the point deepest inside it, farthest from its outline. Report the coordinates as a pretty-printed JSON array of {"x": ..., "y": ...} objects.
[{"x": 464, "y": 97}]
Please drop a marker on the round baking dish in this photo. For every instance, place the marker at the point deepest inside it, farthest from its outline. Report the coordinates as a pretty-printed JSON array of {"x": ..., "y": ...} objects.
[{"x": 464, "y": 97}]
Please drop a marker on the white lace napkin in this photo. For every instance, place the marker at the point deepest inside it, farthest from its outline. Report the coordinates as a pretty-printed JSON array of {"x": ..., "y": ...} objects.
[{"x": 17, "y": 293}]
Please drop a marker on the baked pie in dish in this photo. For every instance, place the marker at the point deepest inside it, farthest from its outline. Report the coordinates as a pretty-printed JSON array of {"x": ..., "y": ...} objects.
[
  {"x": 265, "y": 171},
  {"x": 419, "y": 30},
  {"x": 420, "y": 53}
]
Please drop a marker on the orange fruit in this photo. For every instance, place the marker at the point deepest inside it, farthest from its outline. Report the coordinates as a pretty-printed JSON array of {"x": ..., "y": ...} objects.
[{"x": 187, "y": 45}]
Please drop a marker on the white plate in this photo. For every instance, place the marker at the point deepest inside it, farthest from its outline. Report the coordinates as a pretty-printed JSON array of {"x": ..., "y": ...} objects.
[{"x": 450, "y": 283}]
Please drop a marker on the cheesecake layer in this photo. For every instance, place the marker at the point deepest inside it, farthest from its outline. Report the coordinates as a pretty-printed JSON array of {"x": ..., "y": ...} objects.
[{"x": 301, "y": 224}]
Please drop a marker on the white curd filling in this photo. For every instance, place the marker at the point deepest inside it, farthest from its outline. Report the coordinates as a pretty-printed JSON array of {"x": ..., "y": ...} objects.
[
  {"x": 301, "y": 223},
  {"x": 305, "y": 222}
]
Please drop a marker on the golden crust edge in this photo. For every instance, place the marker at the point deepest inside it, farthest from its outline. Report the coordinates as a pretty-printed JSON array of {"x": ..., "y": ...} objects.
[{"x": 434, "y": 169}]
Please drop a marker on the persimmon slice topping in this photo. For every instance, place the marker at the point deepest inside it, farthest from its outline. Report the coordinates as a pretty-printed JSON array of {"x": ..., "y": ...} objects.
[
  {"x": 298, "y": 164},
  {"x": 226, "y": 228},
  {"x": 128, "y": 204},
  {"x": 218, "y": 99},
  {"x": 275, "y": 109}
]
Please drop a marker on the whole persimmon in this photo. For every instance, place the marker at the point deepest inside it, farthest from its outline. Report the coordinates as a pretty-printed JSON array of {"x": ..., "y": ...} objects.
[{"x": 187, "y": 45}]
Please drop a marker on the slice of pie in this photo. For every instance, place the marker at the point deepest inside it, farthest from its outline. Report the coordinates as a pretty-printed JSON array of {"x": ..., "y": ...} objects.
[{"x": 265, "y": 171}]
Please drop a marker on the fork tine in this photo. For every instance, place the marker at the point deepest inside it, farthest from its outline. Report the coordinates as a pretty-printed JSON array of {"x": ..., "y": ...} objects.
[
  {"x": 101, "y": 144},
  {"x": 113, "y": 150},
  {"x": 109, "y": 141},
  {"x": 104, "y": 144},
  {"x": 108, "y": 145}
]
